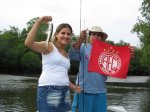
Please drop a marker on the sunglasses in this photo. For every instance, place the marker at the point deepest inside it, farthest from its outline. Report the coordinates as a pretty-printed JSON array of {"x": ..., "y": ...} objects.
[{"x": 96, "y": 34}]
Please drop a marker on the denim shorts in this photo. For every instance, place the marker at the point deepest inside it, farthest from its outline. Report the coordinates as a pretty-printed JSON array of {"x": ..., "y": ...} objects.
[{"x": 53, "y": 99}]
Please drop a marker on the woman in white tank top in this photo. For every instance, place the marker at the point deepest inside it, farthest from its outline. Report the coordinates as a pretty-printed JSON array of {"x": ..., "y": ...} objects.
[{"x": 53, "y": 85}]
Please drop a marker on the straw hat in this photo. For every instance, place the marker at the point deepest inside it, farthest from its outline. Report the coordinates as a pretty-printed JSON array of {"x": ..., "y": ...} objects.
[{"x": 98, "y": 29}]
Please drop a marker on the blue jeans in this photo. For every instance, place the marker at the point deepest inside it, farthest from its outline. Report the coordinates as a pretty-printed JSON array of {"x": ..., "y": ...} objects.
[
  {"x": 92, "y": 102},
  {"x": 74, "y": 102},
  {"x": 53, "y": 99}
]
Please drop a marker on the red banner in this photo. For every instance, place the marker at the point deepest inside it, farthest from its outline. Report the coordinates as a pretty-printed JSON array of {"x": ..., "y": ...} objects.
[{"x": 109, "y": 60}]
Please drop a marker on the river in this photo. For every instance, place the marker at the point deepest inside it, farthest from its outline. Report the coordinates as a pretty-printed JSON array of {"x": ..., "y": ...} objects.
[{"x": 18, "y": 93}]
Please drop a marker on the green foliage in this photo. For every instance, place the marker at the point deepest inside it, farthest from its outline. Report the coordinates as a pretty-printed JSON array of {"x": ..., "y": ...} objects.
[
  {"x": 15, "y": 57},
  {"x": 74, "y": 67},
  {"x": 23, "y": 33},
  {"x": 73, "y": 39},
  {"x": 30, "y": 62},
  {"x": 136, "y": 68},
  {"x": 6, "y": 43},
  {"x": 142, "y": 28},
  {"x": 11, "y": 58},
  {"x": 145, "y": 10},
  {"x": 110, "y": 42},
  {"x": 120, "y": 43},
  {"x": 145, "y": 58},
  {"x": 42, "y": 31}
]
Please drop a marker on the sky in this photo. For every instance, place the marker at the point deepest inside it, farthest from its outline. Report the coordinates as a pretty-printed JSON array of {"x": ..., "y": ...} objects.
[{"x": 115, "y": 17}]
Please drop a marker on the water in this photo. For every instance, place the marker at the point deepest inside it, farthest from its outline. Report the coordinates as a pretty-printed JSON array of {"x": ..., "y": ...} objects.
[
  {"x": 133, "y": 95},
  {"x": 133, "y": 99},
  {"x": 18, "y": 94}
]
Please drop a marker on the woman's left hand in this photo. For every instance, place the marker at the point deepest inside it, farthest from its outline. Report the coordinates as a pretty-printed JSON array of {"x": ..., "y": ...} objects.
[{"x": 77, "y": 89}]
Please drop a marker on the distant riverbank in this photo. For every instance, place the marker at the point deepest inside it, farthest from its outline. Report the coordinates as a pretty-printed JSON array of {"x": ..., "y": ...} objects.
[{"x": 129, "y": 81}]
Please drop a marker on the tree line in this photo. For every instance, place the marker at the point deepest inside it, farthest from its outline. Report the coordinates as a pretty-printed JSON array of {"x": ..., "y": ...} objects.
[{"x": 16, "y": 58}]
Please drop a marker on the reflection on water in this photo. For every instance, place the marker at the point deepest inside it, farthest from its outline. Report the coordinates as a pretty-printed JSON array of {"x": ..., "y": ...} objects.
[
  {"x": 131, "y": 98},
  {"x": 18, "y": 94}
]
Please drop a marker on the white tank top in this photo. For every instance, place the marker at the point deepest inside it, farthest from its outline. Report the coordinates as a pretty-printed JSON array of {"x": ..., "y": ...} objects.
[{"x": 55, "y": 69}]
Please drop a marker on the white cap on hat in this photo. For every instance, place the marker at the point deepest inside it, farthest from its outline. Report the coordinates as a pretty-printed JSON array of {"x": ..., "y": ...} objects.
[{"x": 98, "y": 29}]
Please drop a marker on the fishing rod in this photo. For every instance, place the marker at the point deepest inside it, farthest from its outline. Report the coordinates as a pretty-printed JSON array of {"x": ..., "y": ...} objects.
[
  {"x": 50, "y": 32},
  {"x": 87, "y": 37},
  {"x": 80, "y": 31},
  {"x": 77, "y": 109},
  {"x": 82, "y": 58}
]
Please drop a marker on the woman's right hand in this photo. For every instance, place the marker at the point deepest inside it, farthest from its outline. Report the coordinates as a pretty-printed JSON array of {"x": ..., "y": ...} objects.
[
  {"x": 30, "y": 40},
  {"x": 44, "y": 19}
]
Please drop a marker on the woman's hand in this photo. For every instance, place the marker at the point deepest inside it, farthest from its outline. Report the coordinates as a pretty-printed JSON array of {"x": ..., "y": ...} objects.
[
  {"x": 44, "y": 19},
  {"x": 77, "y": 89},
  {"x": 30, "y": 40}
]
